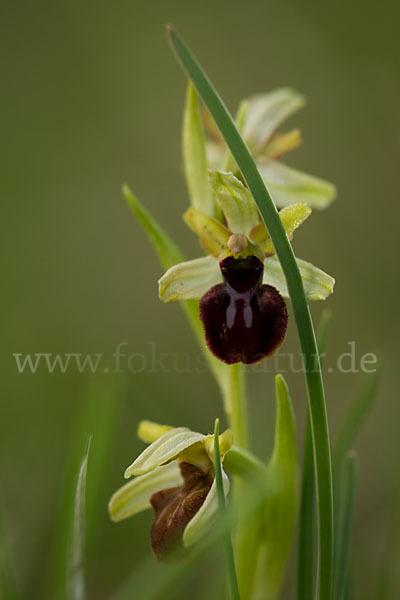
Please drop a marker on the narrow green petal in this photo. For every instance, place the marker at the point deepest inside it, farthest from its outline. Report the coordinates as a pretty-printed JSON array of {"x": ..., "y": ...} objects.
[
  {"x": 190, "y": 279},
  {"x": 318, "y": 285},
  {"x": 266, "y": 112},
  {"x": 236, "y": 202},
  {"x": 134, "y": 496},
  {"x": 213, "y": 235},
  {"x": 166, "y": 448},
  {"x": 194, "y": 156},
  {"x": 288, "y": 186},
  {"x": 200, "y": 523},
  {"x": 291, "y": 216}
]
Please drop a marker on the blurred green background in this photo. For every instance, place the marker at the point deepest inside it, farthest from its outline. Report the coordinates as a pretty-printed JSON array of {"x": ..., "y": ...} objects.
[{"x": 91, "y": 98}]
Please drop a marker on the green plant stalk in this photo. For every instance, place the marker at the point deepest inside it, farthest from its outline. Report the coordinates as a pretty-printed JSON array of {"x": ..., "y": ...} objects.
[
  {"x": 230, "y": 561},
  {"x": 315, "y": 388},
  {"x": 306, "y": 526},
  {"x": 238, "y": 402}
]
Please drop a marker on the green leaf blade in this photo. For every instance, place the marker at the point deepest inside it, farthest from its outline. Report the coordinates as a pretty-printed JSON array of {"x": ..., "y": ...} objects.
[
  {"x": 75, "y": 560},
  {"x": 346, "y": 514}
]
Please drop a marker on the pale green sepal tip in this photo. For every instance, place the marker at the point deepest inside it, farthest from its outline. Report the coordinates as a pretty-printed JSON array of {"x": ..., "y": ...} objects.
[
  {"x": 194, "y": 156},
  {"x": 236, "y": 202},
  {"x": 200, "y": 523},
  {"x": 318, "y": 285},
  {"x": 166, "y": 448},
  {"x": 167, "y": 251},
  {"x": 134, "y": 496},
  {"x": 288, "y": 186},
  {"x": 265, "y": 112},
  {"x": 190, "y": 279}
]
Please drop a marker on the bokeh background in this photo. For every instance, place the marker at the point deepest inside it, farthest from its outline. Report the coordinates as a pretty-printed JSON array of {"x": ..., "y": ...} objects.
[{"x": 91, "y": 98}]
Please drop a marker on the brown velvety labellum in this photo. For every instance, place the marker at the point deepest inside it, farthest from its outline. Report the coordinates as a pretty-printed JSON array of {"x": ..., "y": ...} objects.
[
  {"x": 244, "y": 320},
  {"x": 174, "y": 508}
]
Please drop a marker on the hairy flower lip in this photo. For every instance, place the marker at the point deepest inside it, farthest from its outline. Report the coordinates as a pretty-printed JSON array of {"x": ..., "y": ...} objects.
[
  {"x": 244, "y": 321},
  {"x": 173, "y": 510}
]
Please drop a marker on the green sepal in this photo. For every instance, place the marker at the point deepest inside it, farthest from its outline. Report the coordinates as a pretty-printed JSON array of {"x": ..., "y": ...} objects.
[
  {"x": 266, "y": 112},
  {"x": 318, "y": 285},
  {"x": 288, "y": 186},
  {"x": 189, "y": 279},
  {"x": 134, "y": 496},
  {"x": 194, "y": 157},
  {"x": 164, "y": 449}
]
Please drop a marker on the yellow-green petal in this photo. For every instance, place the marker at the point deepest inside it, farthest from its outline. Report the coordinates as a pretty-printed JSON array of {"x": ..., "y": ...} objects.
[
  {"x": 212, "y": 234},
  {"x": 280, "y": 143},
  {"x": 190, "y": 279},
  {"x": 150, "y": 432},
  {"x": 291, "y": 216},
  {"x": 163, "y": 450},
  {"x": 236, "y": 202},
  {"x": 288, "y": 186},
  {"x": 202, "y": 520},
  {"x": 134, "y": 496},
  {"x": 318, "y": 285}
]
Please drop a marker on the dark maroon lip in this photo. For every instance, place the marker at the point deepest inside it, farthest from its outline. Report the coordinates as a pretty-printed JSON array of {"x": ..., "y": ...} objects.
[
  {"x": 244, "y": 320},
  {"x": 174, "y": 508}
]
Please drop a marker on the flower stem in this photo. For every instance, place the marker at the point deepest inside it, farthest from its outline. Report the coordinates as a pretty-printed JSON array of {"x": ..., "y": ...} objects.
[{"x": 237, "y": 402}]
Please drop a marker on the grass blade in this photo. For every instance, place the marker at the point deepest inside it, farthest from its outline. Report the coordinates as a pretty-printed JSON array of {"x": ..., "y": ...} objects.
[
  {"x": 305, "y": 563},
  {"x": 349, "y": 484},
  {"x": 75, "y": 560},
  {"x": 230, "y": 560},
  {"x": 97, "y": 416},
  {"x": 308, "y": 343},
  {"x": 355, "y": 416}
]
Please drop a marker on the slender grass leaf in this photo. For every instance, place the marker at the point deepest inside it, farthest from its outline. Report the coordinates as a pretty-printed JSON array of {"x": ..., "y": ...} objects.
[
  {"x": 269, "y": 213},
  {"x": 354, "y": 418},
  {"x": 97, "y": 416},
  {"x": 76, "y": 554},
  {"x": 305, "y": 577},
  {"x": 345, "y": 519}
]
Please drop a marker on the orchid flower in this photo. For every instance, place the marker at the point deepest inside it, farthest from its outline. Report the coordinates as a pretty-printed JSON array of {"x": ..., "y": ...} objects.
[
  {"x": 174, "y": 476},
  {"x": 240, "y": 283},
  {"x": 258, "y": 118}
]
